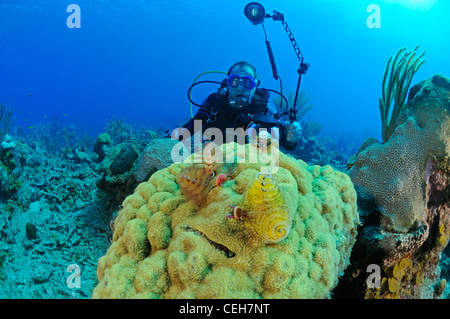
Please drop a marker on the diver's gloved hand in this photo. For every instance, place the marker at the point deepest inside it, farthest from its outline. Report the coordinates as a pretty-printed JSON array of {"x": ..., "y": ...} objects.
[{"x": 293, "y": 131}]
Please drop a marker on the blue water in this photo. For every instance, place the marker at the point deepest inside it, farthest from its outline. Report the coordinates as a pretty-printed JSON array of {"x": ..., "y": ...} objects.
[{"x": 136, "y": 59}]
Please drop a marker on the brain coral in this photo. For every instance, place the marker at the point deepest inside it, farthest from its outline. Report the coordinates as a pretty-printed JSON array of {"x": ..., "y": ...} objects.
[{"x": 166, "y": 245}]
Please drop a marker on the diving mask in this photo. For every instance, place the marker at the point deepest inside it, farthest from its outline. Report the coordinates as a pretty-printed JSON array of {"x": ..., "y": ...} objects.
[{"x": 249, "y": 82}]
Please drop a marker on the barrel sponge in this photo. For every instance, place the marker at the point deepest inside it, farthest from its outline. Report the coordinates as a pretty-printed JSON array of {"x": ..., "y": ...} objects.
[{"x": 167, "y": 246}]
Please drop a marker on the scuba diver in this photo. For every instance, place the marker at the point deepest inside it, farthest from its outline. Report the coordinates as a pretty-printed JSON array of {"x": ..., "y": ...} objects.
[{"x": 240, "y": 103}]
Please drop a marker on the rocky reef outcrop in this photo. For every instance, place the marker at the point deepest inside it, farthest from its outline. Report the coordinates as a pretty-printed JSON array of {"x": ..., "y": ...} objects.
[{"x": 403, "y": 198}]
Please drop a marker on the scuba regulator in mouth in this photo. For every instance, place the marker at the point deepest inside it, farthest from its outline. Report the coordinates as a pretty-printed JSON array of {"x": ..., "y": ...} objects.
[{"x": 239, "y": 102}]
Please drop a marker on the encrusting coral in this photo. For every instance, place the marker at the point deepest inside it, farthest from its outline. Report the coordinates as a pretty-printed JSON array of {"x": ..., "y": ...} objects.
[
  {"x": 389, "y": 177},
  {"x": 403, "y": 195},
  {"x": 169, "y": 244}
]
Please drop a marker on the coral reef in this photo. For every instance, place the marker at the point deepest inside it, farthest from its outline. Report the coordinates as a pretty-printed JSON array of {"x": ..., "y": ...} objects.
[
  {"x": 118, "y": 131},
  {"x": 313, "y": 151},
  {"x": 126, "y": 164},
  {"x": 310, "y": 148},
  {"x": 166, "y": 245},
  {"x": 118, "y": 168},
  {"x": 39, "y": 243},
  {"x": 28, "y": 174},
  {"x": 155, "y": 156},
  {"x": 403, "y": 197},
  {"x": 102, "y": 144},
  {"x": 51, "y": 216},
  {"x": 389, "y": 176},
  {"x": 8, "y": 143}
]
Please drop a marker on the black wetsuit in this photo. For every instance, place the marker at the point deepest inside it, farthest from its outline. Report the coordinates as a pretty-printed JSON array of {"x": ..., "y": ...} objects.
[{"x": 216, "y": 112}]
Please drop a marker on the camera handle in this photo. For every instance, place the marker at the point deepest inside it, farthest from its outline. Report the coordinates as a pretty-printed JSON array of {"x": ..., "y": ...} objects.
[{"x": 277, "y": 16}]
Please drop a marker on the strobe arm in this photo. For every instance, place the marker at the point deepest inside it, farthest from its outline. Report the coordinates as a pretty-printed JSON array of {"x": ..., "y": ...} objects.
[{"x": 277, "y": 16}]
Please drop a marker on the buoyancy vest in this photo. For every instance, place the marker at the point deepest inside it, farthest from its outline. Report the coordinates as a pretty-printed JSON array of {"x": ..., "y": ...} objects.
[{"x": 216, "y": 112}]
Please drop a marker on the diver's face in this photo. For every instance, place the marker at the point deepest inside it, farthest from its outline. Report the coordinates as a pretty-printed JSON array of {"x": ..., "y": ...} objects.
[{"x": 240, "y": 90}]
